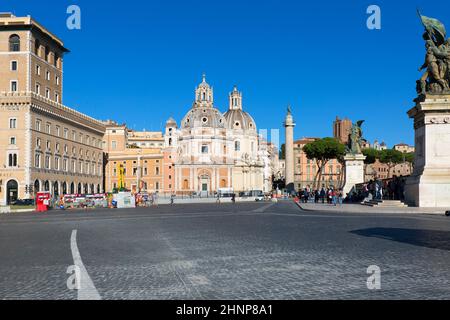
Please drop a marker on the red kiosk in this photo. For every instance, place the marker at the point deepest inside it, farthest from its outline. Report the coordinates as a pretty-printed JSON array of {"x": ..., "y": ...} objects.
[{"x": 43, "y": 201}]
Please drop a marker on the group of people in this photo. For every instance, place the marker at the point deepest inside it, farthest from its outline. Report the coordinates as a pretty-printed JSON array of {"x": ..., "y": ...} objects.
[
  {"x": 328, "y": 195},
  {"x": 392, "y": 189}
]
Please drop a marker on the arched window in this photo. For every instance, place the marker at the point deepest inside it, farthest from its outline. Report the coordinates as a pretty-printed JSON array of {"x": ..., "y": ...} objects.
[
  {"x": 237, "y": 146},
  {"x": 185, "y": 185},
  {"x": 14, "y": 43}
]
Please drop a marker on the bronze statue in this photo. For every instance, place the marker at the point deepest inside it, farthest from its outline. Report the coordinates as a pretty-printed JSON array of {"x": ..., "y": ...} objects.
[
  {"x": 436, "y": 78},
  {"x": 355, "y": 138}
]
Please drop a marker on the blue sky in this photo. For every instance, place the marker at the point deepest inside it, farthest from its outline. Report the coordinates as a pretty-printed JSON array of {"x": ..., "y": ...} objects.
[{"x": 139, "y": 61}]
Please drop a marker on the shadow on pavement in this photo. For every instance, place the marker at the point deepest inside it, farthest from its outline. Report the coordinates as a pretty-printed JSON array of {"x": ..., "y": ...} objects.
[{"x": 423, "y": 238}]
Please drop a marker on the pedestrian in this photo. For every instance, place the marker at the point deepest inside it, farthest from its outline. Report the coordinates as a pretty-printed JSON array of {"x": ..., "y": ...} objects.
[
  {"x": 323, "y": 194},
  {"x": 333, "y": 197},
  {"x": 172, "y": 199},
  {"x": 218, "y": 198},
  {"x": 233, "y": 198},
  {"x": 341, "y": 197}
]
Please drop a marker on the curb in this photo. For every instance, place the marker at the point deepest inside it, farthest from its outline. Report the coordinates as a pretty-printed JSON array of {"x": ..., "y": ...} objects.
[{"x": 435, "y": 213}]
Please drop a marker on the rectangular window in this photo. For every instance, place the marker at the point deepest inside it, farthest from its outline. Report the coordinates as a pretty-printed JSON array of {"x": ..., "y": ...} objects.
[
  {"x": 113, "y": 145},
  {"x": 58, "y": 131},
  {"x": 48, "y": 128},
  {"x": 205, "y": 149},
  {"x": 38, "y": 142},
  {"x": 12, "y": 160},
  {"x": 38, "y": 70},
  {"x": 56, "y": 97},
  {"x": 37, "y": 160},
  {"x": 13, "y": 65},
  {"x": 38, "y": 88},
  {"x": 47, "y": 162},
  {"x": 57, "y": 80},
  {"x": 13, "y": 123},
  {"x": 66, "y": 133},
  {"x": 57, "y": 163},
  {"x": 38, "y": 125},
  {"x": 14, "y": 86},
  {"x": 47, "y": 93},
  {"x": 65, "y": 165},
  {"x": 12, "y": 141},
  {"x": 47, "y": 76}
]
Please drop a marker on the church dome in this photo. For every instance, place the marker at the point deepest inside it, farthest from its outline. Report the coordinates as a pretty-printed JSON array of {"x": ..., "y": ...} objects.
[
  {"x": 239, "y": 120},
  {"x": 204, "y": 117}
]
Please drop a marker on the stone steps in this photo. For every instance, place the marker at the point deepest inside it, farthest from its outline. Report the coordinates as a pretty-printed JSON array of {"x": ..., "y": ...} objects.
[{"x": 385, "y": 204}]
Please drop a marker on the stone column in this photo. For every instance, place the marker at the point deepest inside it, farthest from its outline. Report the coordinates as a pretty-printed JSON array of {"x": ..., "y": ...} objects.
[
  {"x": 289, "y": 125},
  {"x": 354, "y": 172},
  {"x": 429, "y": 185}
]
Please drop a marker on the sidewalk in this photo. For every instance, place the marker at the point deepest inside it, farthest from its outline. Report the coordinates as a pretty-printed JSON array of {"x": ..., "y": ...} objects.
[{"x": 358, "y": 208}]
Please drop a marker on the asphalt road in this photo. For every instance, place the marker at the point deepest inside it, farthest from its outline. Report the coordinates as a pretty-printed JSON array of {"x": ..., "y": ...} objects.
[{"x": 243, "y": 251}]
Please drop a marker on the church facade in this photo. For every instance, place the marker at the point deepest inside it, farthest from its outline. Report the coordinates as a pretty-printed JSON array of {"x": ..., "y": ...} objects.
[{"x": 212, "y": 151}]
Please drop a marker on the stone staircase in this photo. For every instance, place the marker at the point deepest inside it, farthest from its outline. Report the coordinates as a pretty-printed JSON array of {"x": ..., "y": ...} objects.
[{"x": 385, "y": 204}]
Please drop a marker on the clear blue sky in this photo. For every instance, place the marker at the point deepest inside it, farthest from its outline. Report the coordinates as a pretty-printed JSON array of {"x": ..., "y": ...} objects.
[{"x": 139, "y": 61}]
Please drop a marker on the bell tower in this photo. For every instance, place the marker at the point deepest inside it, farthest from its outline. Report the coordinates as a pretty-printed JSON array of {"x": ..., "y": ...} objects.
[
  {"x": 235, "y": 99},
  {"x": 204, "y": 95}
]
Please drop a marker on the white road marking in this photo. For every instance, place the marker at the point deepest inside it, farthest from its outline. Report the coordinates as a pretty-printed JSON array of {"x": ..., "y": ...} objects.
[
  {"x": 262, "y": 209},
  {"x": 87, "y": 290}
]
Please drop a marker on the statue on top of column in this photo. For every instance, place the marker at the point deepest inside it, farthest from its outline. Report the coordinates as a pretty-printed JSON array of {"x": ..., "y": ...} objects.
[
  {"x": 355, "y": 138},
  {"x": 436, "y": 79}
]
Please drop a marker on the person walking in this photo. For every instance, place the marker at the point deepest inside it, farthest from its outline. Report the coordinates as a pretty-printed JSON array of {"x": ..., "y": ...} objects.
[
  {"x": 333, "y": 197},
  {"x": 341, "y": 197}
]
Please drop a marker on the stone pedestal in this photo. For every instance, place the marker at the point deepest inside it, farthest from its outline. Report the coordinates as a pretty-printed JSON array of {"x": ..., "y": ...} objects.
[
  {"x": 429, "y": 185},
  {"x": 354, "y": 171}
]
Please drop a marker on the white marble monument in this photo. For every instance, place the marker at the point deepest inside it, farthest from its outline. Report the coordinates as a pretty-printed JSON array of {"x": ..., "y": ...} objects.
[
  {"x": 429, "y": 186},
  {"x": 354, "y": 171}
]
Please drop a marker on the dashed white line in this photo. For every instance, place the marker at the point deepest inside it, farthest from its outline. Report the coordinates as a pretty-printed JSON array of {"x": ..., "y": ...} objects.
[{"x": 87, "y": 290}]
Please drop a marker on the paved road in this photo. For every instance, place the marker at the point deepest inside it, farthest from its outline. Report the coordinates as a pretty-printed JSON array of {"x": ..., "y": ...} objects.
[{"x": 243, "y": 251}]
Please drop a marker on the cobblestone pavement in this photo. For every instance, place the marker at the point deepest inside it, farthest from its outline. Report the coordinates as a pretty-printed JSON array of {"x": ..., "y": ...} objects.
[{"x": 243, "y": 251}]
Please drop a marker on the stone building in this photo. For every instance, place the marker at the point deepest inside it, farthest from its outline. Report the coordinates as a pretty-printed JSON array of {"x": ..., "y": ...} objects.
[
  {"x": 342, "y": 129},
  {"x": 306, "y": 169},
  {"x": 211, "y": 151},
  {"x": 404, "y": 148},
  {"x": 140, "y": 154},
  {"x": 383, "y": 171},
  {"x": 46, "y": 146}
]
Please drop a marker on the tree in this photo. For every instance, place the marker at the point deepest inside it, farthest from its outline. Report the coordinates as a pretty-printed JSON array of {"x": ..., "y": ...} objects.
[
  {"x": 410, "y": 158},
  {"x": 322, "y": 151},
  {"x": 371, "y": 157},
  {"x": 391, "y": 158},
  {"x": 283, "y": 152}
]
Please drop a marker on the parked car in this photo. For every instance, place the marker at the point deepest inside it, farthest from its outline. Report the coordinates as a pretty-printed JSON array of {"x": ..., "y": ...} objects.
[{"x": 25, "y": 202}]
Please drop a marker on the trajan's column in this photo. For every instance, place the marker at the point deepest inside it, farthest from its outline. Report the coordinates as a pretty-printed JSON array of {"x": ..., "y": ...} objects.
[{"x": 289, "y": 125}]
